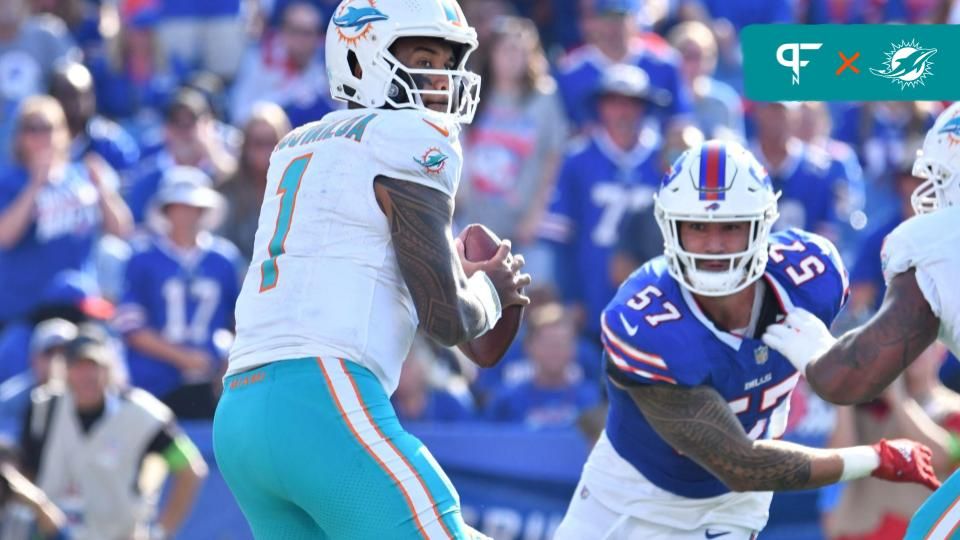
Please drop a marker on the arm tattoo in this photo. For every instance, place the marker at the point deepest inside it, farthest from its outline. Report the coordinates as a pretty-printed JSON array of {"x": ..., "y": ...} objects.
[
  {"x": 866, "y": 360},
  {"x": 699, "y": 423},
  {"x": 419, "y": 219}
]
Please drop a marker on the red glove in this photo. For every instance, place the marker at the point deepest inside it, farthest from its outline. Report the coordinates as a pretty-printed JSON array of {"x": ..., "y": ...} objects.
[{"x": 902, "y": 460}]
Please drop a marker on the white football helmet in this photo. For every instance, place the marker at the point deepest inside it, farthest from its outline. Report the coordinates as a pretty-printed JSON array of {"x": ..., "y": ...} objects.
[
  {"x": 938, "y": 162},
  {"x": 718, "y": 181},
  {"x": 361, "y": 33}
]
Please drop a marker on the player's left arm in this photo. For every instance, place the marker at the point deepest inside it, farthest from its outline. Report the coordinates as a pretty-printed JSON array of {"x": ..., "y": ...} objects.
[
  {"x": 698, "y": 422},
  {"x": 865, "y": 360}
]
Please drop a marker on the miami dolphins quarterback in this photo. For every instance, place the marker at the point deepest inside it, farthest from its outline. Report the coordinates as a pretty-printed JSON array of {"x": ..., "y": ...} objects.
[{"x": 353, "y": 252}]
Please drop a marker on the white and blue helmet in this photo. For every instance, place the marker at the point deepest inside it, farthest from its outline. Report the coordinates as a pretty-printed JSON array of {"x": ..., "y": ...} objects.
[
  {"x": 361, "y": 33},
  {"x": 718, "y": 181},
  {"x": 938, "y": 163}
]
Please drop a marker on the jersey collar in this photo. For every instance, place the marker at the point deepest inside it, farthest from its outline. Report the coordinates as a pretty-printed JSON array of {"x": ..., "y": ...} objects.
[{"x": 734, "y": 341}]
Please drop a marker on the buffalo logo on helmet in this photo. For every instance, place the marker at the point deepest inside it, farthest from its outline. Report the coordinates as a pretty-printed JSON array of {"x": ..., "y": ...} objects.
[{"x": 355, "y": 23}]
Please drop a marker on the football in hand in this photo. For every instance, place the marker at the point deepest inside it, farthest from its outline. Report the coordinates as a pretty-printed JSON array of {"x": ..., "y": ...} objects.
[{"x": 481, "y": 244}]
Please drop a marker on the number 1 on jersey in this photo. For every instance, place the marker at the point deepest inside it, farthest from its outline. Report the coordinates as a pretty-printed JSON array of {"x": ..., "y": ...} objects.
[{"x": 288, "y": 189}]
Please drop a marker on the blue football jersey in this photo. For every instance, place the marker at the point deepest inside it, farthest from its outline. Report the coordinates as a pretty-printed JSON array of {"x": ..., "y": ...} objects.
[
  {"x": 596, "y": 187},
  {"x": 579, "y": 74},
  {"x": 186, "y": 298},
  {"x": 655, "y": 333}
]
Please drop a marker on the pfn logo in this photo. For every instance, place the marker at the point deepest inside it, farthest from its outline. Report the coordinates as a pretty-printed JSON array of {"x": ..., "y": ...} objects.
[{"x": 794, "y": 62}]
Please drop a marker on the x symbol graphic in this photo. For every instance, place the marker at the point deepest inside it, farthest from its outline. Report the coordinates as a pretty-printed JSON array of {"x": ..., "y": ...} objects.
[{"x": 848, "y": 63}]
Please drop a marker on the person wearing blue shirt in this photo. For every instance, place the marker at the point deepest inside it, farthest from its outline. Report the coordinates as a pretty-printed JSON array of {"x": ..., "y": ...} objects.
[
  {"x": 181, "y": 285},
  {"x": 71, "y": 295},
  {"x": 556, "y": 394},
  {"x": 602, "y": 177},
  {"x": 52, "y": 211},
  {"x": 72, "y": 85},
  {"x": 697, "y": 400},
  {"x": 419, "y": 399},
  {"x": 810, "y": 180},
  {"x": 610, "y": 34},
  {"x": 46, "y": 348}
]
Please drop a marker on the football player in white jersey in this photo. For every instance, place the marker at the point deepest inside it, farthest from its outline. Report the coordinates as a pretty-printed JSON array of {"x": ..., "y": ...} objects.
[
  {"x": 920, "y": 261},
  {"x": 353, "y": 252}
]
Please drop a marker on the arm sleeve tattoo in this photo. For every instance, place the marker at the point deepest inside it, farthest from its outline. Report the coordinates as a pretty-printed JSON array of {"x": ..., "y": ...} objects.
[
  {"x": 866, "y": 360},
  {"x": 698, "y": 422},
  {"x": 419, "y": 218}
]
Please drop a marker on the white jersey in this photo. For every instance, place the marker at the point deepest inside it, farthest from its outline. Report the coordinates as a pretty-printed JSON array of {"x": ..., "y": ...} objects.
[
  {"x": 930, "y": 243},
  {"x": 324, "y": 279}
]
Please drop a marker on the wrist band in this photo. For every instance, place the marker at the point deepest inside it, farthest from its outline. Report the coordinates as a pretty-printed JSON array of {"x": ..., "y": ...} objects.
[
  {"x": 486, "y": 292},
  {"x": 858, "y": 462}
]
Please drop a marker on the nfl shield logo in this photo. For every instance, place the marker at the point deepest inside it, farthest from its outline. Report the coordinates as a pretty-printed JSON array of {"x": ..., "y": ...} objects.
[{"x": 760, "y": 354}]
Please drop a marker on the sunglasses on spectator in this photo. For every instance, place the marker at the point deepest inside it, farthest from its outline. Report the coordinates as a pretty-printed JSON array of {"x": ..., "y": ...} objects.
[
  {"x": 35, "y": 128},
  {"x": 300, "y": 30}
]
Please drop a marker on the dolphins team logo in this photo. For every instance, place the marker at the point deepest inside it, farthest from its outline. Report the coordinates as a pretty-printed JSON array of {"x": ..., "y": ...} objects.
[
  {"x": 907, "y": 64},
  {"x": 433, "y": 160},
  {"x": 952, "y": 130},
  {"x": 354, "y": 23}
]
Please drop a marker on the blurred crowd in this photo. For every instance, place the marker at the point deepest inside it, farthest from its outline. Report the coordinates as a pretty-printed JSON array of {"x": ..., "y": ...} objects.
[{"x": 135, "y": 137}]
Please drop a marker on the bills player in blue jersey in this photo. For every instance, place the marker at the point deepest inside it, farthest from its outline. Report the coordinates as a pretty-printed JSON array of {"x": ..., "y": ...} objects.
[
  {"x": 921, "y": 304},
  {"x": 697, "y": 401},
  {"x": 614, "y": 171},
  {"x": 180, "y": 290}
]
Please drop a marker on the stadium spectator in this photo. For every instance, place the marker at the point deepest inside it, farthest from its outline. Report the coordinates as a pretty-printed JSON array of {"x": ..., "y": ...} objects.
[
  {"x": 272, "y": 10},
  {"x": 72, "y": 85},
  {"x": 71, "y": 295},
  {"x": 804, "y": 173},
  {"x": 911, "y": 407},
  {"x": 190, "y": 138},
  {"x": 244, "y": 189},
  {"x": 615, "y": 170},
  {"x": 42, "y": 519},
  {"x": 52, "y": 210},
  {"x": 82, "y": 18},
  {"x": 640, "y": 239},
  {"x": 288, "y": 70},
  {"x": 419, "y": 397},
  {"x": 514, "y": 146},
  {"x": 717, "y": 109},
  {"x": 179, "y": 293},
  {"x": 867, "y": 285},
  {"x": 46, "y": 348},
  {"x": 208, "y": 35},
  {"x": 134, "y": 80},
  {"x": 29, "y": 48},
  {"x": 555, "y": 395},
  {"x": 610, "y": 30},
  {"x": 743, "y": 13},
  {"x": 814, "y": 127},
  {"x": 854, "y": 11},
  {"x": 85, "y": 444}
]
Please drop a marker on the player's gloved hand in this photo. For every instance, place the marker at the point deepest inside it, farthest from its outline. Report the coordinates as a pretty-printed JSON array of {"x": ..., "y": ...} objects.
[
  {"x": 902, "y": 460},
  {"x": 801, "y": 337}
]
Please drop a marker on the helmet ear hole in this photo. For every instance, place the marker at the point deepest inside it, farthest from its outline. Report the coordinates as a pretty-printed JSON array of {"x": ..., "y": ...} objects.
[{"x": 354, "y": 64}]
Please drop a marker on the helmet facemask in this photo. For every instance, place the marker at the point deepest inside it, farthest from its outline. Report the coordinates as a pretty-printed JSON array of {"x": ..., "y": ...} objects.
[
  {"x": 939, "y": 189},
  {"x": 405, "y": 90},
  {"x": 742, "y": 267}
]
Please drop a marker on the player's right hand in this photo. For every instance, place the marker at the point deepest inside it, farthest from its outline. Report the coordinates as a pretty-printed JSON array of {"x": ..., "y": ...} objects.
[
  {"x": 903, "y": 460},
  {"x": 503, "y": 269}
]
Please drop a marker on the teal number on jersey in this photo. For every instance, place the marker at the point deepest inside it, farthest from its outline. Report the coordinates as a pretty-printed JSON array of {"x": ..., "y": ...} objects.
[{"x": 288, "y": 189}]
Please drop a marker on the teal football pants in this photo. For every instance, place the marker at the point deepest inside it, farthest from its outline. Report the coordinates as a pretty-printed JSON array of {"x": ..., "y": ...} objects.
[
  {"x": 312, "y": 449},
  {"x": 938, "y": 518}
]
